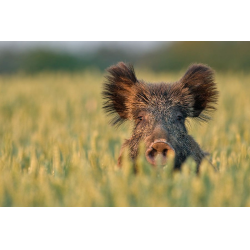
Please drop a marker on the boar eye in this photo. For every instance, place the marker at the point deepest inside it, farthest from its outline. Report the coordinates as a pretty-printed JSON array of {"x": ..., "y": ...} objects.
[
  {"x": 179, "y": 118},
  {"x": 140, "y": 118}
]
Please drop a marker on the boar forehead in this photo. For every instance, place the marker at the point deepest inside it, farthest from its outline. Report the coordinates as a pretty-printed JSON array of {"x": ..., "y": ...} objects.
[{"x": 158, "y": 101}]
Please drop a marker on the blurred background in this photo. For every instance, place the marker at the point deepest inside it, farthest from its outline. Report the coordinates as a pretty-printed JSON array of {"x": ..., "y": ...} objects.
[{"x": 32, "y": 57}]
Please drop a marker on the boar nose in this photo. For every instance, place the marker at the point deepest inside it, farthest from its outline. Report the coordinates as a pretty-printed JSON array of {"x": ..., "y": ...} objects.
[{"x": 159, "y": 152}]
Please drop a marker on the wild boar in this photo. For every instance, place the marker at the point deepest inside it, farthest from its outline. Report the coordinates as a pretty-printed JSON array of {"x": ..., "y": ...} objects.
[{"x": 159, "y": 111}]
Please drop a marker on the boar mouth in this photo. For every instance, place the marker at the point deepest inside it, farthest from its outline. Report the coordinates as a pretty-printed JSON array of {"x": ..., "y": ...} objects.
[{"x": 159, "y": 152}]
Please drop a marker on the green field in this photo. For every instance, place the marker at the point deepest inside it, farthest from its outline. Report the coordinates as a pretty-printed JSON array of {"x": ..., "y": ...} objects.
[{"x": 58, "y": 149}]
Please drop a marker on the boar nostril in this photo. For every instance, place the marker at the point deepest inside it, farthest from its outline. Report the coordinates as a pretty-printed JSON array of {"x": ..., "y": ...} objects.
[
  {"x": 164, "y": 152},
  {"x": 160, "y": 150},
  {"x": 152, "y": 153}
]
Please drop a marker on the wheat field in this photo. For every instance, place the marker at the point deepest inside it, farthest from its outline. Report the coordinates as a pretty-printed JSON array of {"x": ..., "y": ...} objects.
[{"x": 58, "y": 149}]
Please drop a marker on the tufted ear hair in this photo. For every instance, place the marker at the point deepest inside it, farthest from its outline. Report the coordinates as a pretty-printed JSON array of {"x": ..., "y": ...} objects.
[
  {"x": 118, "y": 91},
  {"x": 196, "y": 91}
]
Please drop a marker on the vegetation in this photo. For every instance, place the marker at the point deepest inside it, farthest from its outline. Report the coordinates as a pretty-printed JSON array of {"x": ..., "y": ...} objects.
[
  {"x": 175, "y": 56},
  {"x": 222, "y": 56},
  {"x": 57, "y": 148}
]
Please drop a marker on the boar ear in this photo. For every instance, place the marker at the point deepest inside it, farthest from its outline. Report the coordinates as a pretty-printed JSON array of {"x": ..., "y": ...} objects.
[
  {"x": 199, "y": 89},
  {"x": 118, "y": 90}
]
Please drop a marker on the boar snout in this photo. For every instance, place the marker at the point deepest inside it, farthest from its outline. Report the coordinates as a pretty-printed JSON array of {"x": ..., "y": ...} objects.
[{"x": 158, "y": 152}]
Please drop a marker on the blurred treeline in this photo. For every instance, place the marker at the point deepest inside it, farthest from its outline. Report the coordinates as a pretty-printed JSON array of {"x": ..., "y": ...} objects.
[{"x": 222, "y": 56}]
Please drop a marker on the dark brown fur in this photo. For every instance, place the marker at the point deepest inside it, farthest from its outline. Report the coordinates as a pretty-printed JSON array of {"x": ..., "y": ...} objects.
[{"x": 159, "y": 110}]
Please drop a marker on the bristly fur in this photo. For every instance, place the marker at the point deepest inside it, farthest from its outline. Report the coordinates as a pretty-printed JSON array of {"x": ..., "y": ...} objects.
[
  {"x": 196, "y": 92},
  {"x": 200, "y": 80},
  {"x": 120, "y": 92}
]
